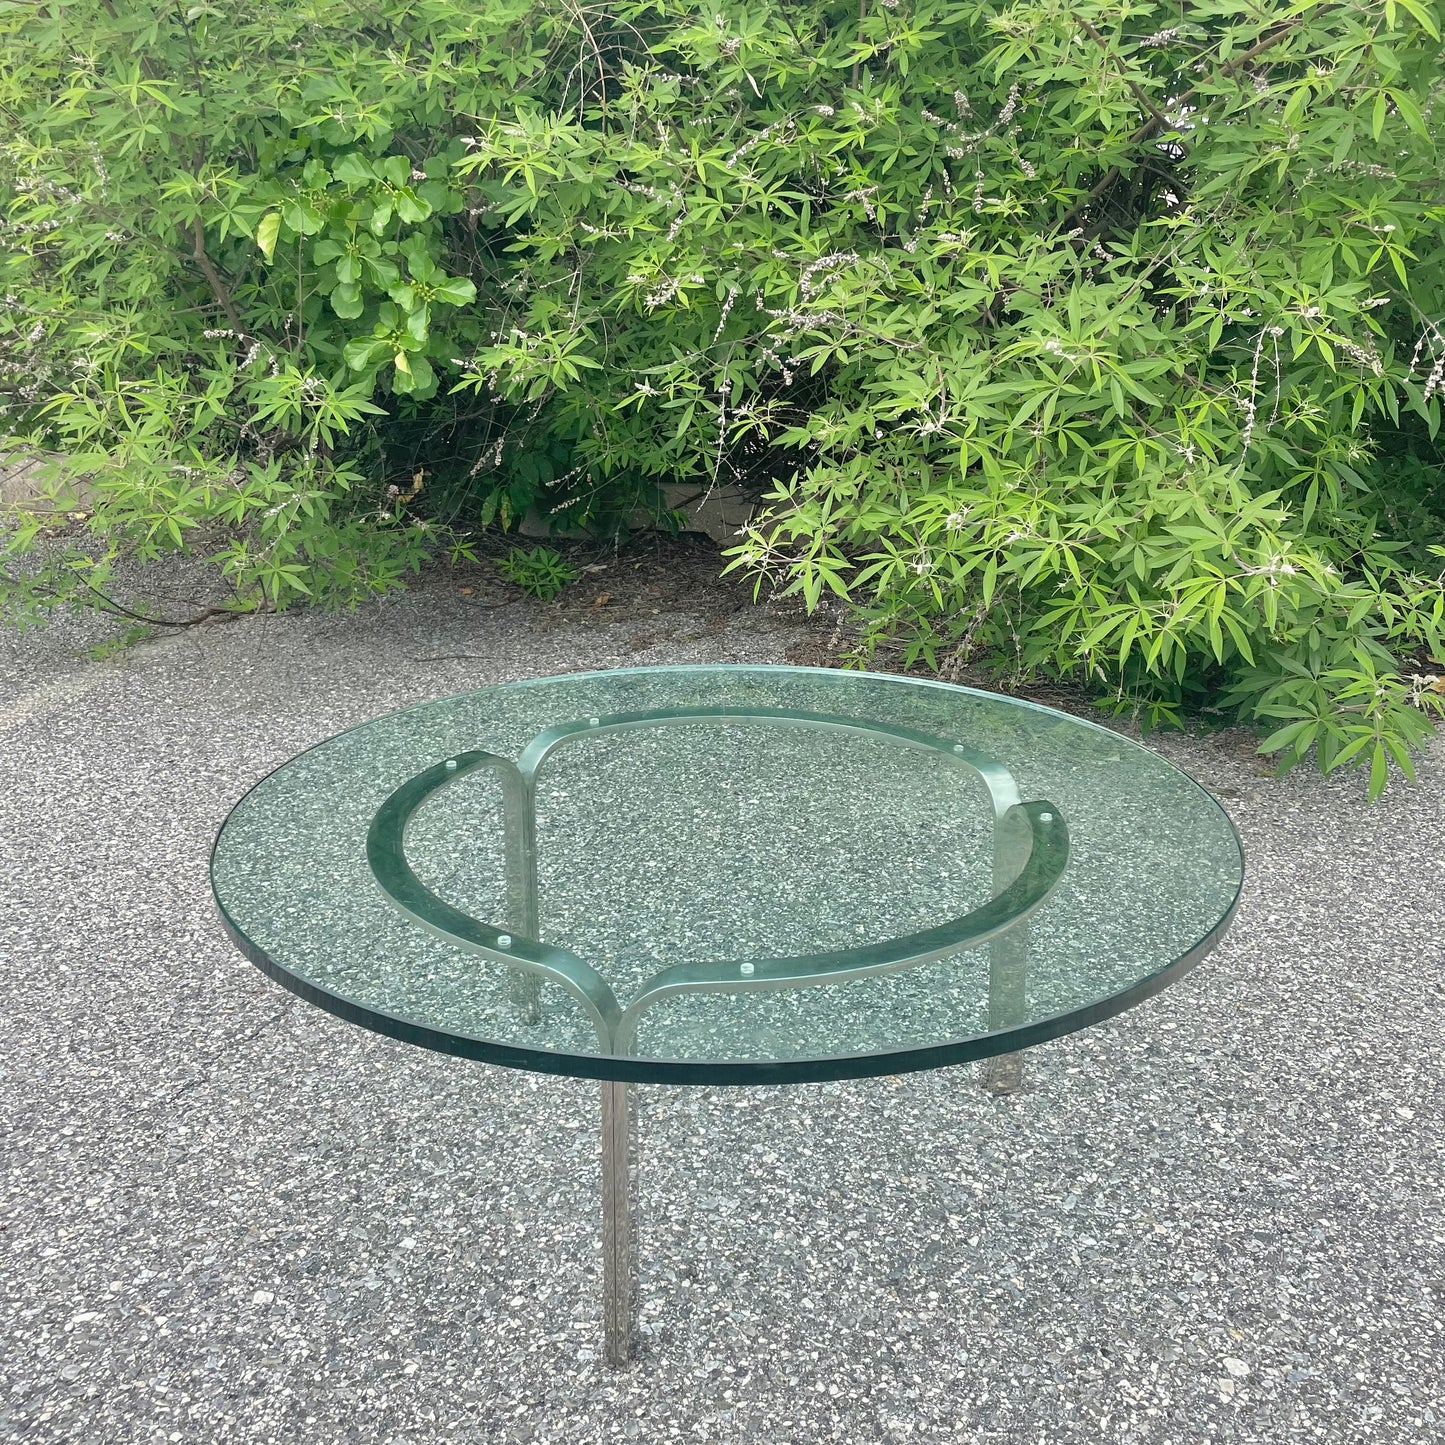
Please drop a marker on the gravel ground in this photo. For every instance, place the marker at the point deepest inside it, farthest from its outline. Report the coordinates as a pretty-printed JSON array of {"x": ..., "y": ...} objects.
[{"x": 226, "y": 1216}]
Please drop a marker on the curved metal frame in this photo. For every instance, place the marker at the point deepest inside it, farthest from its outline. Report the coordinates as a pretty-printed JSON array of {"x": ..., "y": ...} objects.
[{"x": 1031, "y": 851}]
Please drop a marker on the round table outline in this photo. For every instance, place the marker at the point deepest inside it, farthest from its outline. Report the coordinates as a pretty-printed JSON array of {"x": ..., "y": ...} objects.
[{"x": 620, "y": 1072}]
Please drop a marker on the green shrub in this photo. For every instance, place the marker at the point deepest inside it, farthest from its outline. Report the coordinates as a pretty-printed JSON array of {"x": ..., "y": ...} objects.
[
  {"x": 1096, "y": 340},
  {"x": 540, "y": 572}
]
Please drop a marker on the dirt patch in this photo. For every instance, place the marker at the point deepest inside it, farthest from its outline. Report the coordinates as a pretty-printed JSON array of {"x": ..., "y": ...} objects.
[{"x": 676, "y": 581}]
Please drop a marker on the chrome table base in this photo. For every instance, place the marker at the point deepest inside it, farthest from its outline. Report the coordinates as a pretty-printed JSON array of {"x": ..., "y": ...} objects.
[
  {"x": 1002, "y": 1075},
  {"x": 619, "y": 1207},
  {"x": 1030, "y": 852}
]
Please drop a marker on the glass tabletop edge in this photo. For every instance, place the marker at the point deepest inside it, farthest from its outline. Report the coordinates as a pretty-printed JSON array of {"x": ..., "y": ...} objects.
[
  {"x": 730, "y": 1073},
  {"x": 934, "y": 684}
]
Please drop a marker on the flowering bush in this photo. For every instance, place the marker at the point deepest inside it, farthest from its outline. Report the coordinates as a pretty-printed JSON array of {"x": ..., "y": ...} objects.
[{"x": 1085, "y": 338}]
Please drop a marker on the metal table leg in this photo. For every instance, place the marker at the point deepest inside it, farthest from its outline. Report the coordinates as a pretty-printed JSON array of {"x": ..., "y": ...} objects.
[
  {"x": 619, "y": 1198},
  {"x": 520, "y": 810},
  {"x": 1008, "y": 966}
]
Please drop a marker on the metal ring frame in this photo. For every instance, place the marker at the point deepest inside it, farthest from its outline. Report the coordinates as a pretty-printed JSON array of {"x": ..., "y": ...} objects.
[{"x": 1031, "y": 851}]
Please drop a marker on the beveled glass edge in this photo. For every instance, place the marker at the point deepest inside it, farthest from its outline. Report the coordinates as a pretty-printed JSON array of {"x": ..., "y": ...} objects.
[
  {"x": 821, "y": 1069},
  {"x": 827, "y": 1068}
]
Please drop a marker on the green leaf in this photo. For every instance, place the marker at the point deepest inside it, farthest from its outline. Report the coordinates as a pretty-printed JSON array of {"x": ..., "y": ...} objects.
[
  {"x": 346, "y": 301},
  {"x": 421, "y": 379},
  {"x": 457, "y": 291},
  {"x": 302, "y": 217},
  {"x": 1422, "y": 15},
  {"x": 353, "y": 169},
  {"x": 1405, "y": 104},
  {"x": 410, "y": 207},
  {"x": 365, "y": 352},
  {"x": 383, "y": 273},
  {"x": 419, "y": 259},
  {"x": 266, "y": 233},
  {"x": 416, "y": 324},
  {"x": 1379, "y": 772}
]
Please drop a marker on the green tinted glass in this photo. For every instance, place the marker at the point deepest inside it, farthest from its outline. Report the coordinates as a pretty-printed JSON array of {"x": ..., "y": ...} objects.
[{"x": 726, "y": 874}]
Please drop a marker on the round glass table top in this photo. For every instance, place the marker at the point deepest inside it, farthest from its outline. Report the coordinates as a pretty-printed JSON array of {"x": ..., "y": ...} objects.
[{"x": 726, "y": 874}]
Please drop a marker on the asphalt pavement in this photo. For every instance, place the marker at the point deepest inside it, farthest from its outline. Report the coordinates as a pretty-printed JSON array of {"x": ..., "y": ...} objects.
[{"x": 228, "y": 1217}]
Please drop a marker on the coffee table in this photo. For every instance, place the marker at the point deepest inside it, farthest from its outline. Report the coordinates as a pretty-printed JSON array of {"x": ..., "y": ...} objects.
[{"x": 725, "y": 875}]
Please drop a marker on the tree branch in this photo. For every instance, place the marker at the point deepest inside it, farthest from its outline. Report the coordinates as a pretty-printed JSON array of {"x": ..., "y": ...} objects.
[
  {"x": 1144, "y": 101},
  {"x": 208, "y": 270},
  {"x": 104, "y": 602},
  {"x": 118, "y": 609},
  {"x": 1156, "y": 120}
]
